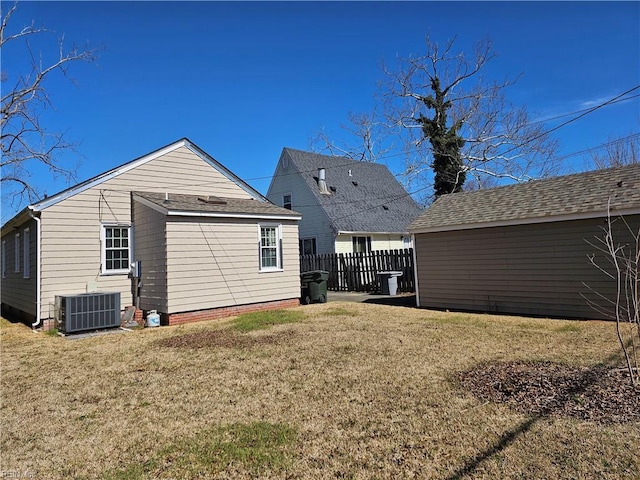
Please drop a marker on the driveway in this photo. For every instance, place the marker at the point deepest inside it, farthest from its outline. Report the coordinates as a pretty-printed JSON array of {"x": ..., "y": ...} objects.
[{"x": 403, "y": 299}]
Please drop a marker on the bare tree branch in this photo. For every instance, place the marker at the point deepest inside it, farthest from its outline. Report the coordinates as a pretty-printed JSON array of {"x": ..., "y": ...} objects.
[
  {"x": 372, "y": 135},
  {"x": 621, "y": 265},
  {"x": 618, "y": 152},
  {"x": 500, "y": 140},
  {"x": 497, "y": 136},
  {"x": 24, "y": 139}
]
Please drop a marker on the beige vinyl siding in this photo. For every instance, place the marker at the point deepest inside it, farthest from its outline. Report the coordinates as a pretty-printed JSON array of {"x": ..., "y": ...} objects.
[
  {"x": 151, "y": 251},
  {"x": 527, "y": 269},
  {"x": 215, "y": 263},
  {"x": 17, "y": 291},
  {"x": 315, "y": 222},
  {"x": 71, "y": 229}
]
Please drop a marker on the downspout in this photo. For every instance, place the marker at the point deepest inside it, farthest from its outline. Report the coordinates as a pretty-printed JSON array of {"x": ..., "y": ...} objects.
[
  {"x": 415, "y": 270},
  {"x": 36, "y": 324}
]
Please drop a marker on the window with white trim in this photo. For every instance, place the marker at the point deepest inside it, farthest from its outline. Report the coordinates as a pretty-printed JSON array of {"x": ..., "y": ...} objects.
[
  {"x": 26, "y": 253},
  {"x": 270, "y": 247},
  {"x": 116, "y": 249},
  {"x": 4, "y": 259},
  {"x": 361, "y": 244},
  {"x": 286, "y": 201},
  {"x": 16, "y": 253}
]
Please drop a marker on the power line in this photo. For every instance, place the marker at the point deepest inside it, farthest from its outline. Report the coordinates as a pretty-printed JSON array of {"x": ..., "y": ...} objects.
[
  {"x": 587, "y": 112},
  {"x": 544, "y": 120},
  {"x": 584, "y": 112},
  {"x": 631, "y": 137},
  {"x": 563, "y": 157}
]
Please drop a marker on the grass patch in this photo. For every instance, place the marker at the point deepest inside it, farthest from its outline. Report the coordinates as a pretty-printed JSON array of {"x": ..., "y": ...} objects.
[
  {"x": 52, "y": 333},
  {"x": 569, "y": 326},
  {"x": 256, "y": 448},
  {"x": 365, "y": 395},
  {"x": 260, "y": 320},
  {"x": 340, "y": 312}
]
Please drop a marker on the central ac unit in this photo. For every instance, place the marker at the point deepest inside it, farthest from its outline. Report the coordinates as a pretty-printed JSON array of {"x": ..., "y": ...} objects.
[{"x": 87, "y": 311}]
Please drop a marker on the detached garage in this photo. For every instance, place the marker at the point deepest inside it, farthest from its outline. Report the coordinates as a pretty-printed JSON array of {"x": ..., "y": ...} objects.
[{"x": 524, "y": 249}]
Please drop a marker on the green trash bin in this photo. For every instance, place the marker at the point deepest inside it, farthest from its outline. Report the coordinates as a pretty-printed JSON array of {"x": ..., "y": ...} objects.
[{"x": 314, "y": 286}]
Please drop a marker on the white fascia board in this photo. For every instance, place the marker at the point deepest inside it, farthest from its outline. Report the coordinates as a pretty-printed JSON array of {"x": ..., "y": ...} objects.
[
  {"x": 39, "y": 206},
  {"x": 261, "y": 216},
  {"x": 528, "y": 221}
]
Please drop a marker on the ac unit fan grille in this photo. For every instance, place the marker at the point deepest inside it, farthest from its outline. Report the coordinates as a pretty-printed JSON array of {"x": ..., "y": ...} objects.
[{"x": 90, "y": 311}]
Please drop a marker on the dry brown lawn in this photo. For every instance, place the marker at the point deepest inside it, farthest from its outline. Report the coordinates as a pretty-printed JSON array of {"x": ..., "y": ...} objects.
[{"x": 350, "y": 391}]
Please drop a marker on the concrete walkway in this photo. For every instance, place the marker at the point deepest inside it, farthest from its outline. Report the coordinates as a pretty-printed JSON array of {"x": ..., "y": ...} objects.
[{"x": 403, "y": 299}]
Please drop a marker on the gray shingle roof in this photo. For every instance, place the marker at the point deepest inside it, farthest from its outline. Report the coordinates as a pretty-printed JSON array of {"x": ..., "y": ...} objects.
[
  {"x": 222, "y": 205},
  {"x": 579, "y": 195},
  {"x": 365, "y": 197}
]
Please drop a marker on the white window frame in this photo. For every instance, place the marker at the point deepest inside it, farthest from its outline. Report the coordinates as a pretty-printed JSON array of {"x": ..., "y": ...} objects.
[
  {"x": 16, "y": 253},
  {"x": 284, "y": 201},
  {"x": 103, "y": 249},
  {"x": 26, "y": 253},
  {"x": 278, "y": 247},
  {"x": 354, "y": 241},
  {"x": 4, "y": 259}
]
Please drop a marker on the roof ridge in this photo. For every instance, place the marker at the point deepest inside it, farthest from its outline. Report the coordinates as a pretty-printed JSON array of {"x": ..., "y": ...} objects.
[
  {"x": 581, "y": 195},
  {"x": 557, "y": 178},
  {"x": 101, "y": 177}
]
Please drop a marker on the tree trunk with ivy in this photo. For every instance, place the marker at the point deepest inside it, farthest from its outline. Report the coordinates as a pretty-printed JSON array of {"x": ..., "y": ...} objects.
[{"x": 445, "y": 143}]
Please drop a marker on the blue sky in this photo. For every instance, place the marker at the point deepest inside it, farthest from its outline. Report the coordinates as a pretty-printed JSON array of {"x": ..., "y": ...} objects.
[{"x": 242, "y": 80}]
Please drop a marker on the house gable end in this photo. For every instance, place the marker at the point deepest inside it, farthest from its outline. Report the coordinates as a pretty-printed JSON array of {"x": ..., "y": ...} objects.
[
  {"x": 113, "y": 173},
  {"x": 290, "y": 180},
  {"x": 363, "y": 196}
]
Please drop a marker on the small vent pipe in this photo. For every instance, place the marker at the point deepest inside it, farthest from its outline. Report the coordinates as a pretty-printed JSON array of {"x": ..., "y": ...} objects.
[{"x": 322, "y": 182}]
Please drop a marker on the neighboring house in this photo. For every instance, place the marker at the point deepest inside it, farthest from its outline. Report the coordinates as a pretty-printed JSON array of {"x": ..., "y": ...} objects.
[
  {"x": 523, "y": 249},
  {"x": 208, "y": 243},
  {"x": 346, "y": 206}
]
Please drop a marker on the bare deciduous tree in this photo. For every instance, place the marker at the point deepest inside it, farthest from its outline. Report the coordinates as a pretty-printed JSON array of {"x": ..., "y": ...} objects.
[
  {"x": 371, "y": 133},
  {"x": 618, "y": 152},
  {"x": 25, "y": 141},
  {"x": 497, "y": 139},
  {"x": 619, "y": 261}
]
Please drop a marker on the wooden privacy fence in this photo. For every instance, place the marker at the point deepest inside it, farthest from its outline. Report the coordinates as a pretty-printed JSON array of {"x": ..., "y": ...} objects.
[{"x": 359, "y": 272}]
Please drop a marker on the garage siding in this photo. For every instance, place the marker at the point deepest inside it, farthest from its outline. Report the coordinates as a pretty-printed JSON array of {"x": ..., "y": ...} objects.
[{"x": 540, "y": 269}]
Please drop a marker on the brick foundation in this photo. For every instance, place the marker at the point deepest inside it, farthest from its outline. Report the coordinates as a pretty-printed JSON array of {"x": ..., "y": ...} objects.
[
  {"x": 214, "y": 313},
  {"x": 48, "y": 324},
  {"x": 194, "y": 316}
]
